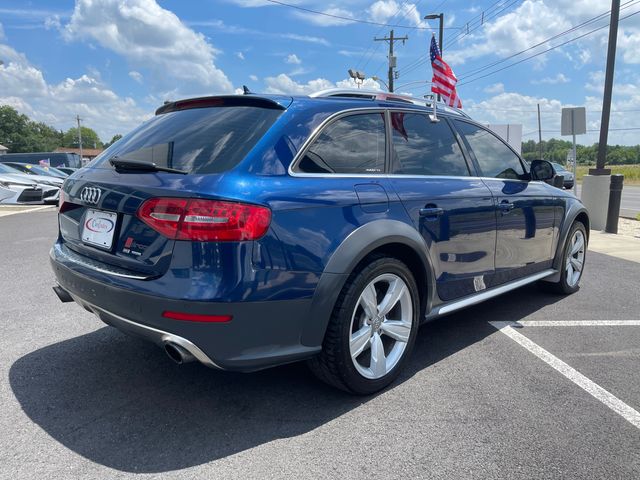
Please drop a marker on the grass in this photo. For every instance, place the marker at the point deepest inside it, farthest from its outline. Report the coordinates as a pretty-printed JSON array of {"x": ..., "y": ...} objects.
[{"x": 631, "y": 172}]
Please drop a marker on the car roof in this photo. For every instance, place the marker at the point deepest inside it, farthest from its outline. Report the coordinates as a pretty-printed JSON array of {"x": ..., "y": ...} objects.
[{"x": 332, "y": 99}]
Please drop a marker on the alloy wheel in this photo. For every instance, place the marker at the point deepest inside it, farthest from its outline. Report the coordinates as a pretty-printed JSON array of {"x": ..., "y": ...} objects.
[
  {"x": 381, "y": 326},
  {"x": 575, "y": 258}
]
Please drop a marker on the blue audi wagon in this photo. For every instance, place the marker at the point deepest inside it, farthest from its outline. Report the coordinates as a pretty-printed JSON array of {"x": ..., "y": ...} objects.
[{"x": 248, "y": 231}]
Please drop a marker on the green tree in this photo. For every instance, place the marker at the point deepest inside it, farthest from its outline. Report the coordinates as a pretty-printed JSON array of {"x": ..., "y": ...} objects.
[
  {"x": 113, "y": 140},
  {"x": 22, "y": 135},
  {"x": 90, "y": 138}
]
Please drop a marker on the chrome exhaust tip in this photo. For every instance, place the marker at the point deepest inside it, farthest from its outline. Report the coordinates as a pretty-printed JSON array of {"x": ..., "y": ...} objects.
[
  {"x": 177, "y": 353},
  {"x": 62, "y": 294}
]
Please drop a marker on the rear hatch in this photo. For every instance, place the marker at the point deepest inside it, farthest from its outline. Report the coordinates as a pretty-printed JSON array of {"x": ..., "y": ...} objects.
[{"x": 181, "y": 153}]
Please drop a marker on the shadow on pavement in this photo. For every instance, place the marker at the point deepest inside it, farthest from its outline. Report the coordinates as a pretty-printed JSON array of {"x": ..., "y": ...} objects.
[{"x": 120, "y": 402}]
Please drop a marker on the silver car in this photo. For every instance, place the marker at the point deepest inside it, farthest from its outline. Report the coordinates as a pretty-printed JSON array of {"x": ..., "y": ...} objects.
[
  {"x": 49, "y": 186},
  {"x": 18, "y": 190}
]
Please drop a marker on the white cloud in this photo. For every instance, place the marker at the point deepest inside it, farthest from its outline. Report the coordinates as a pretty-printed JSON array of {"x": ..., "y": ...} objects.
[
  {"x": 517, "y": 108},
  {"x": 137, "y": 76},
  {"x": 23, "y": 86},
  {"x": 559, "y": 78},
  {"x": 239, "y": 30},
  {"x": 150, "y": 37},
  {"x": 285, "y": 85},
  {"x": 531, "y": 23},
  {"x": 384, "y": 10},
  {"x": 52, "y": 23},
  {"x": 630, "y": 46},
  {"x": 620, "y": 89},
  {"x": 2, "y": 37},
  {"x": 495, "y": 88},
  {"x": 253, "y": 78},
  {"x": 240, "y": 55},
  {"x": 293, "y": 59},
  {"x": 305, "y": 38},
  {"x": 18, "y": 78}
]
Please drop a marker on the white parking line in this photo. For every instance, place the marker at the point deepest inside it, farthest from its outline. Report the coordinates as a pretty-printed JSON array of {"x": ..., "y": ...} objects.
[
  {"x": 610, "y": 400},
  {"x": 6, "y": 211},
  {"x": 575, "y": 323}
]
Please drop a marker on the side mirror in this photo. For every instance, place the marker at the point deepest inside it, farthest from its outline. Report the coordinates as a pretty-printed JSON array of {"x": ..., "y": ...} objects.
[{"x": 542, "y": 170}]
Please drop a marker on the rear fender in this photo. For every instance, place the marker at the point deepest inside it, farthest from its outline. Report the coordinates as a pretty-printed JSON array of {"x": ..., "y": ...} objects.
[{"x": 360, "y": 243}]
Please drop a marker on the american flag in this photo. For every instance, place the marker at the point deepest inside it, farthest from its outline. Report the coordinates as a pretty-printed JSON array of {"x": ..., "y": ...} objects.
[{"x": 444, "y": 80}]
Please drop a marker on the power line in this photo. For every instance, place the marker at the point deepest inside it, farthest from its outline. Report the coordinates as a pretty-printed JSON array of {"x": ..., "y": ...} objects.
[
  {"x": 483, "y": 18},
  {"x": 480, "y": 20},
  {"x": 473, "y": 72},
  {"x": 350, "y": 19},
  {"x": 544, "y": 51}
]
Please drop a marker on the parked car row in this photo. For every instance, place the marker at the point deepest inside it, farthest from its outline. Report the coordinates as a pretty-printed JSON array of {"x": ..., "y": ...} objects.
[{"x": 27, "y": 183}]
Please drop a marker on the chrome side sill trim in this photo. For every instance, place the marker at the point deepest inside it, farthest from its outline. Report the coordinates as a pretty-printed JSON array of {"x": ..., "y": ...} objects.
[
  {"x": 487, "y": 294},
  {"x": 159, "y": 336}
]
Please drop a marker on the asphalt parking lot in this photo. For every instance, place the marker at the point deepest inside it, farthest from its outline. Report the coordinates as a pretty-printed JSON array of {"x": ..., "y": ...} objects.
[{"x": 80, "y": 399}]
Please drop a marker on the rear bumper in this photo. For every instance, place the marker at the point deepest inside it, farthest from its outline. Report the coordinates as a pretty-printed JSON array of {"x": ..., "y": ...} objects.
[{"x": 260, "y": 334}]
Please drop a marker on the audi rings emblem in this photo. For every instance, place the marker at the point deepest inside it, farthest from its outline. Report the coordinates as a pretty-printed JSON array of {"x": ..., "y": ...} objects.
[{"x": 90, "y": 195}]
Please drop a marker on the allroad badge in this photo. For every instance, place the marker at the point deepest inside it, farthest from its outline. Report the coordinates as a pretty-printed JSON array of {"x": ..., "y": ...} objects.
[{"x": 90, "y": 195}]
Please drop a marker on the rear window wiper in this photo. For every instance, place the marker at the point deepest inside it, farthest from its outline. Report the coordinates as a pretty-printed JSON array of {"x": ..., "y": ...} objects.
[{"x": 140, "y": 165}]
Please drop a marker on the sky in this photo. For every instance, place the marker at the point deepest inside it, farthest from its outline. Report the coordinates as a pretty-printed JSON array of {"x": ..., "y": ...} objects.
[{"x": 113, "y": 62}]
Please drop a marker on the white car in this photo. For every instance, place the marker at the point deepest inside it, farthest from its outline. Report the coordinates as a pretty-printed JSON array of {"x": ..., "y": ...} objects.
[
  {"x": 49, "y": 186},
  {"x": 17, "y": 190}
]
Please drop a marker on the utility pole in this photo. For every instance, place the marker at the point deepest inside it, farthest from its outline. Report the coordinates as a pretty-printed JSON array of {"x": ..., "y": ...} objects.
[
  {"x": 608, "y": 88},
  {"x": 392, "y": 60},
  {"x": 539, "y": 133},
  {"x": 79, "y": 136}
]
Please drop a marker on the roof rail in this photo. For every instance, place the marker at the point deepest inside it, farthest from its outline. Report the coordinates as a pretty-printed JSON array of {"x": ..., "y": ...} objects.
[{"x": 383, "y": 96}]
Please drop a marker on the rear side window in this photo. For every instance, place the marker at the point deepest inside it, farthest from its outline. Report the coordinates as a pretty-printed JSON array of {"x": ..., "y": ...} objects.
[
  {"x": 421, "y": 147},
  {"x": 200, "y": 140},
  {"x": 495, "y": 158},
  {"x": 354, "y": 144}
]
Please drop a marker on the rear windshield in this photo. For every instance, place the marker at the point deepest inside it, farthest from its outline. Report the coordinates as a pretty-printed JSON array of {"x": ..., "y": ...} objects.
[{"x": 201, "y": 140}]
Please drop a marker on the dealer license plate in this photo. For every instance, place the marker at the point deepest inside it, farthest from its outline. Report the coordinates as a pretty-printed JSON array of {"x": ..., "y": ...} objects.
[{"x": 98, "y": 228}]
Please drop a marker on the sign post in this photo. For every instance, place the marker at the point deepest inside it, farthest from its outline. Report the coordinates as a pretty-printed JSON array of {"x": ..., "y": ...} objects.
[{"x": 574, "y": 122}]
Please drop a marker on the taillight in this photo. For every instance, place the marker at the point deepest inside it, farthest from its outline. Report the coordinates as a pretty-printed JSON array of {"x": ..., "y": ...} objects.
[
  {"x": 63, "y": 205},
  {"x": 205, "y": 220}
]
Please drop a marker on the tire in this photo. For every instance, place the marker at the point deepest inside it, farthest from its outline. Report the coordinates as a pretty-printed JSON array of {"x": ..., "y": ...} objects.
[
  {"x": 570, "y": 276},
  {"x": 372, "y": 330}
]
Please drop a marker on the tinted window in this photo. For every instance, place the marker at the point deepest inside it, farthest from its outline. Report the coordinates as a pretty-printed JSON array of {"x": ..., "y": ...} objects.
[
  {"x": 422, "y": 147},
  {"x": 53, "y": 159},
  {"x": 354, "y": 144},
  {"x": 200, "y": 140},
  {"x": 495, "y": 158}
]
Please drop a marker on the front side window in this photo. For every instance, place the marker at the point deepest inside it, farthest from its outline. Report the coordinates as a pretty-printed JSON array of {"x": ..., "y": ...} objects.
[
  {"x": 350, "y": 145},
  {"x": 421, "y": 147},
  {"x": 495, "y": 158}
]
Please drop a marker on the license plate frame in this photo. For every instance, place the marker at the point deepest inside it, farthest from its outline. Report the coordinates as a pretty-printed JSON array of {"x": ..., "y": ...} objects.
[{"x": 98, "y": 228}]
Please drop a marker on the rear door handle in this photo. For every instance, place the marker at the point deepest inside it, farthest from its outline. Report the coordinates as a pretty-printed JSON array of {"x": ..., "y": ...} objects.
[
  {"x": 506, "y": 206},
  {"x": 431, "y": 212}
]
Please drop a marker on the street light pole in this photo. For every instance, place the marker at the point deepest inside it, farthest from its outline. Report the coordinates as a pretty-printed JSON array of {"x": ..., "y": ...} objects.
[
  {"x": 608, "y": 89},
  {"x": 440, "y": 17}
]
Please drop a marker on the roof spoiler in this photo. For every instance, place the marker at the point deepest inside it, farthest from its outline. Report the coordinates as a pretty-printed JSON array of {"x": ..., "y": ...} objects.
[{"x": 224, "y": 101}]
